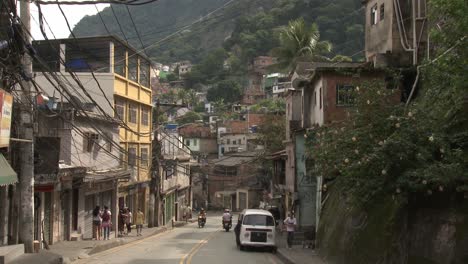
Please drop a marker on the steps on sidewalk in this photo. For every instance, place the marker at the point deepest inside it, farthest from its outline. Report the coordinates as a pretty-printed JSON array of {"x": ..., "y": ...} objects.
[{"x": 8, "y": 253}]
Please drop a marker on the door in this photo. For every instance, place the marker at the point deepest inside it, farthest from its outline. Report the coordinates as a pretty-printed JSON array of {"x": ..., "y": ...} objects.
[{"x": 75, "y": 209}]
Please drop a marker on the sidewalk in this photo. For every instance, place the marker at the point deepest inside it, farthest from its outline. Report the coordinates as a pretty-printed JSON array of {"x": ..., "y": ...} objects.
[
  {"x": 297, "y": 254},
  {"x": 69, "y": 251}
]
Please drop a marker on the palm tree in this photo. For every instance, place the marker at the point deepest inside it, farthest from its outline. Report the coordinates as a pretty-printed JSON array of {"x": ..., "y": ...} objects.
[
  {"x": 182, "y": 95},
  {"x": 192, "y": 98},
  {"x": 300, "y": 42}
]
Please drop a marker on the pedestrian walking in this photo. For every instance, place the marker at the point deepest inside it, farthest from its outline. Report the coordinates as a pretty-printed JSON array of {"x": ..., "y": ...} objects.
[
  {"x": 97, "y": 221},
  {"x": 106, "y": 222},
  {"x": 139, "y": 221},
  {"x": 121, "y": 222},
  {"x": 128, "y": 220},
  {"x": 290, "y": 223}
]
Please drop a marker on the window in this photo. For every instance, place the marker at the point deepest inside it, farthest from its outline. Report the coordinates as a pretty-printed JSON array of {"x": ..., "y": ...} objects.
[
  {"x": 132, "y": 156},
  {"x": 122, "y": 159},
  {"x": 132, "y": 67},
  {"x": 187, "y": 142},
  {"x": 344, "y": 95},
  {"x": 373, "y": 15},
  {"x": 195, "y": 142},
  {"x": 119, "y": 59},
  {"x": 259, "y": 220},
  {"x": 234, "y": 142},
  {"x": 120, "y": 110},
  {"x": 320, "y": 97},
  {"x": 169, "y": 171},
  {"x": 109, "y": 139},
  {"x": 50, "y": 54},
  {"x": 145, "y": 117},
  {"x": 144, "y": 73},
  {"x": 87, "y": 56},
  {"x": 228, "y": 141},
  {"x": 144, "y": 157},
  {"x": 89, "y": 141},
  {"x": 132, "y": 113},
  {"x": 382, "y": 12},
  {"x": 239, "y": 141}
]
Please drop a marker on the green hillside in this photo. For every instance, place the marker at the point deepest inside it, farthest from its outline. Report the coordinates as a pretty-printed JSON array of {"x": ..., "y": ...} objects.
[{"x": 245, "y": 27}]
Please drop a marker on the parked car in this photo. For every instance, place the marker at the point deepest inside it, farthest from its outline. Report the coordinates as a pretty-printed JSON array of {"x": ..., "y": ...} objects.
[{"x": 256, "y": 228}]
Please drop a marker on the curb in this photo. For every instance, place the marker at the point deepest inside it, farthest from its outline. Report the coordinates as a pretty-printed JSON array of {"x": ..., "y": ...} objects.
[
  {"x": 283, "y": 257},
  {"x": 121, "y": 242}
]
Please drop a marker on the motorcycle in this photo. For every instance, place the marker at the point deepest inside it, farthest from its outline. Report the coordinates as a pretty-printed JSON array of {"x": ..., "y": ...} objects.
[
  {"x": 201, "y": 221},
  {"x": 227, "y": 224}
]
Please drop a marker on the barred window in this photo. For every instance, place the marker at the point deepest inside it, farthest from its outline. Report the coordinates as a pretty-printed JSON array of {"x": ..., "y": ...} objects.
[
  {"x": 132, "y": 113},
  {"x": 144, "y": 157},
  {"x": 132, "y": 156},
  {"x": 145, "y": 117},
  {"x": 120, "y": 110},
  {"x": 344, "y": 95}
]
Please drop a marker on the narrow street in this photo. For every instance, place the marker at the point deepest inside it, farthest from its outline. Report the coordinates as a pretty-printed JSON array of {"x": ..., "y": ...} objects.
[{"x": 185, "y": 245}]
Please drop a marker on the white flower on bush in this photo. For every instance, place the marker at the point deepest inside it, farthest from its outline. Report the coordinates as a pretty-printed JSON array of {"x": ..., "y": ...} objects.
[
  {"x": 424, "y": 182},
  {"x": 397, "y": 125},
  {"x": 431, "y": 138},
  {"x": 384, "y": 172},
  {"x": 346, "y": 160},
  {"x": 368, "y": 102},
  {"x": 410, "y": 114},
  {"x": 381, "y": 143},
  {"x": 356, "y": 151},
  {"x": 354, "y": 139}
]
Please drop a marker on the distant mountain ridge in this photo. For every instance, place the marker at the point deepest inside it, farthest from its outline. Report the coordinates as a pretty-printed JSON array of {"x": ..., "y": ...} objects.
[{"x": 340, "y": 22}]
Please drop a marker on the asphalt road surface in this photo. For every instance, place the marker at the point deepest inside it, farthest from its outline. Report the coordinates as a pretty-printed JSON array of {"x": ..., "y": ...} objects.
[{"x": 185, "y": 245}]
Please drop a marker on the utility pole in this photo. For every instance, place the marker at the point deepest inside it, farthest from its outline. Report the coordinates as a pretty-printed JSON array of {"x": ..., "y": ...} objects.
[
  {"x": 155, "y": 192},
  {"x": 153, "y": 212},
  {"x": 26, "y": 179}
]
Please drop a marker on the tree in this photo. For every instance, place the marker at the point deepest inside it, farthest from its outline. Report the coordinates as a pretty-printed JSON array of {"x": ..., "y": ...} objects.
[
  {"x": 272, "y": 132},
  {"x": 189, "y": 117},
  {"x": 192, "y": 98},
  {"x": 300, "y": 42},
  {"x": 227, "y": 90},
  {"x": 171, "y": 77},
  {"x": 182, "y": 95}
]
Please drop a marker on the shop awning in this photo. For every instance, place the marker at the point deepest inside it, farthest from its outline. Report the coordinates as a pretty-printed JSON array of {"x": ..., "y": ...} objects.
[{"x": 7, "y": 174}]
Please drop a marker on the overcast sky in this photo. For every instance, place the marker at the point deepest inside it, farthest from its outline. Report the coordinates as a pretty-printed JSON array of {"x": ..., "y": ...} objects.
[{"x": 56, "y": 21}]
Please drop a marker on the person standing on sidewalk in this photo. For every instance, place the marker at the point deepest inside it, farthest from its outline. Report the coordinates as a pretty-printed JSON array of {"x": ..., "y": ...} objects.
[
  {"x": 97, "y": 221},
  {"x": 128, "y": 220},
  {"x": 106, "y": 222},
  {"x": 290, "y": 223},
  {"x": 139, "y": 221}
]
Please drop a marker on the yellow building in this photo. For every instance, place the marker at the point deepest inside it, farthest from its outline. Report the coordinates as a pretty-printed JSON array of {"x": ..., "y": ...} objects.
[{"x": 132, "y": 99}]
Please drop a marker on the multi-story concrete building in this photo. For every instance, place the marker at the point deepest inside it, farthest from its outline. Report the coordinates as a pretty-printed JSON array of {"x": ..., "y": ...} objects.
[
  {"x": 324, "y": 96},
  {"x": 109, "y": 80},
  {"x": 254, "y": 91},
  {"x": 396, "y": 32},
  {"x": 175, "y": 176}
]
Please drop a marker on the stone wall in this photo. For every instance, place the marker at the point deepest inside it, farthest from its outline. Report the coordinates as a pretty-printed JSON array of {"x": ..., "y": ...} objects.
[{"x": 393, "y": 229}]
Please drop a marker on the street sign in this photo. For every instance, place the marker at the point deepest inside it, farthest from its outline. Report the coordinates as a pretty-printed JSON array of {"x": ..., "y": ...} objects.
[{"x": 6, "y": 109}]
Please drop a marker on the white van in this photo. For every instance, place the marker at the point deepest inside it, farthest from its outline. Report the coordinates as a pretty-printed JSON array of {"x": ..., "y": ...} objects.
[{"x": 257, "y": 229}]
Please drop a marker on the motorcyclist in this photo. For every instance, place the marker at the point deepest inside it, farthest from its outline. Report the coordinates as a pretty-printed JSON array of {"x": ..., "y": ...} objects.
[
  {"x": 202, "y": 214},
  {"x": 227, "y": 216}
]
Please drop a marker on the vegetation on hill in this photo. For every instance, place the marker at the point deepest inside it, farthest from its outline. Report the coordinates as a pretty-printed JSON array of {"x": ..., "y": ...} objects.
[{"x": 246, "y": 28}]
